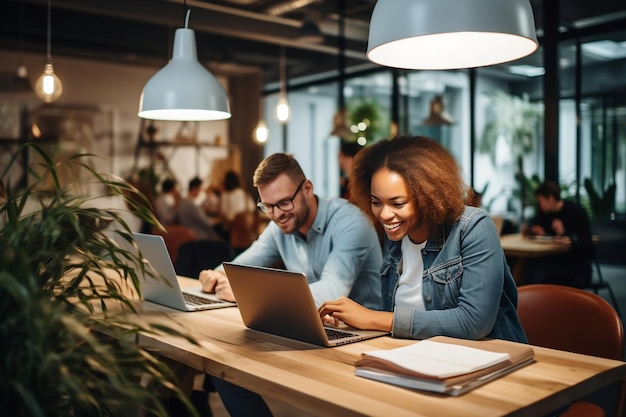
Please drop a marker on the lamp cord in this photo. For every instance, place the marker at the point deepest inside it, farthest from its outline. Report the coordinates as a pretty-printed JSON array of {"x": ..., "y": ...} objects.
[
  {"x": 341, "y": 56},
  {"x": 187, "y": 13},
  {"x": 21, "y": 23},
  {"x": 49, "y": 29},
  {"x": 282, "y": 64}
]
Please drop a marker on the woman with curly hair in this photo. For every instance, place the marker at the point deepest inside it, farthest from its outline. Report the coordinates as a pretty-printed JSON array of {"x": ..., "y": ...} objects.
[{"x": 444, "y": 270}]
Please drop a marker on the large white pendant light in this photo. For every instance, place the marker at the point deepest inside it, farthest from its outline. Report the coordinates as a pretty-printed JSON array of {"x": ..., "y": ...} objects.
[
  {"x": 49, "y": 87},
  {"x": 450, "y": 34},
  {"x": 184, "y": 90}
]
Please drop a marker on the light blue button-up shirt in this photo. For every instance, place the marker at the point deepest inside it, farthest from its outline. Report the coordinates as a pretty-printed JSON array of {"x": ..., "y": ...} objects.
[{"x": 340, "y": 254}]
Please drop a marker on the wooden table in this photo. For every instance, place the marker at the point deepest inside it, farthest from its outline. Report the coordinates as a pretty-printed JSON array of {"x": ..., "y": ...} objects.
[
  {"x": 322, "y": 381},
  {"x": 517, "y": 248}
]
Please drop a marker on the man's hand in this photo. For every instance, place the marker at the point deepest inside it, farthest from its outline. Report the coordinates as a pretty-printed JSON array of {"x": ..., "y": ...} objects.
[
  {"x": 217, "y": 282},
  {"x": 537, "y": 230},
  {"x": 558, "y": 227}
]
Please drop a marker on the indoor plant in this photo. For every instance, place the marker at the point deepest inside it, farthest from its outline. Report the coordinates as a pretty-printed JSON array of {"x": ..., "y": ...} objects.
[{"x": 57, "y": 254}]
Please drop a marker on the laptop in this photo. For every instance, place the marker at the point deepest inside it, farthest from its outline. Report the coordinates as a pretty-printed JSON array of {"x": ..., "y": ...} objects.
[
  {"x": 279, "y": 302},
  {"x": 167, "y": 291}
]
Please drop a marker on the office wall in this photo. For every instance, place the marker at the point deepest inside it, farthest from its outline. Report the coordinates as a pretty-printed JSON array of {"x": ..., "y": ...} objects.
[{"x": 115, "y": 89}]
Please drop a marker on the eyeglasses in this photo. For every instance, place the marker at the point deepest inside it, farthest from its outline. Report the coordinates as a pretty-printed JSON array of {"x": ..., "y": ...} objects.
[{"x": 283, "y": 205}]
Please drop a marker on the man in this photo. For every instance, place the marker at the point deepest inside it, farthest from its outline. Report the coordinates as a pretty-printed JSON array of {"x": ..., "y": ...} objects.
[
  {"x": 347, "y": 152},
  {"x": 568, "y": 223},
  {"x": 192, "y": 215},
  {"x": 331, "y": 241}
]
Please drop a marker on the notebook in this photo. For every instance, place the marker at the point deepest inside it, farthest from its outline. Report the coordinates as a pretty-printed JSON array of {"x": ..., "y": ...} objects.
[
  {"x": 167, "y": 291},
  {"x": 279, "y": 302}
]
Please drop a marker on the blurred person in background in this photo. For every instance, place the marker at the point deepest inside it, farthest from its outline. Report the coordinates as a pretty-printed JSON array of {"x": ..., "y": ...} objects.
[
  {"x": 192, "y": 215},
  {"x": 166, "y": 204},
  {"x": 566, "y": 222},
  {"x": 347, "y": 151}
]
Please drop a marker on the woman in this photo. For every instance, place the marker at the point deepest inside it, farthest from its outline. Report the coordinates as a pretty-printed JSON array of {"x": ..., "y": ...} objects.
[{"x": 444, "y": 271}]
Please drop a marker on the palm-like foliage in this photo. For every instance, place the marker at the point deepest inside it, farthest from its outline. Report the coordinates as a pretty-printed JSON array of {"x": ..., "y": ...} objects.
[{"x": 56, "y": 296}]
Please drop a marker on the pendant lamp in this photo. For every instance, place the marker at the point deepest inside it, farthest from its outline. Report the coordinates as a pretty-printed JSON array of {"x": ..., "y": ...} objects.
[
  {"x": 261, "y": 132},
  {"x": 184, "y": 90},
  {"x": 48, "y": 87},
  {"x": 340, "y": 119},
  {"x": 282, "y": 107},
  {"x": 310, "y": 32},
  {"x": 450, "y": 34}
]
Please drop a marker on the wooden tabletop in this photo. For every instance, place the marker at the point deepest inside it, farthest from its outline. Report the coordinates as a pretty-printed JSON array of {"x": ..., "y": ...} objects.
[
  {"x": 322, "y": 380},
  {"x": 516, "y": 245}
]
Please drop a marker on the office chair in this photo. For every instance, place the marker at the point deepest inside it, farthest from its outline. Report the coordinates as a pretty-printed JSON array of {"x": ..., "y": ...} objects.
[
  {"x": 175, "y": 236},
  {"x": 244, "y": 229},
  {"x": 574, "y": 320},
  {"x": 194, "y": 256}
]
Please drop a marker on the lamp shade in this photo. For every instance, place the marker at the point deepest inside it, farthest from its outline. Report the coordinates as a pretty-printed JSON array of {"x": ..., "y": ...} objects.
[
  {"x": 450, "y": 34},
  {"x": 184, "y": 89}
]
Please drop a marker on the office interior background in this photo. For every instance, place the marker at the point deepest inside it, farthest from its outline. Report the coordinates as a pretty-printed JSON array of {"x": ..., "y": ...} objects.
[{"x": 558, "y": 114}]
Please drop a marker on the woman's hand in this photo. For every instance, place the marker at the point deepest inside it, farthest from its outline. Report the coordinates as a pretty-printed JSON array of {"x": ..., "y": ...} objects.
[{"x": 355, "y": 315}]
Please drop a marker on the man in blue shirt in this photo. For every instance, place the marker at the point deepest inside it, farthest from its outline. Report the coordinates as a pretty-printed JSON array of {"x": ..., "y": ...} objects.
[{"x": 331, "y": 241}]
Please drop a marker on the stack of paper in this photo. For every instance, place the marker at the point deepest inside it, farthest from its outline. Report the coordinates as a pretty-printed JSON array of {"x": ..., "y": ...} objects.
[{"x": 444, "y": 364}]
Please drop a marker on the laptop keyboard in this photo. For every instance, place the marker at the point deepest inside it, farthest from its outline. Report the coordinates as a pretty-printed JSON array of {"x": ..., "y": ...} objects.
[
  {"x": 333, "y": 334},
  {"x": 197, "y": 300}
]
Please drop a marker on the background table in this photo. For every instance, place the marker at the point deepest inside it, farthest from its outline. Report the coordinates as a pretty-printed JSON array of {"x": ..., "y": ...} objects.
[{"x": 517, "y": 248}]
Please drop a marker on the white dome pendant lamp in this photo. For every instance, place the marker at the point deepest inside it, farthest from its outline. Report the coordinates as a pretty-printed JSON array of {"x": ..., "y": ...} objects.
[
  {"x": 450, "y": 34},
  {"x": 184, "y": 90}
]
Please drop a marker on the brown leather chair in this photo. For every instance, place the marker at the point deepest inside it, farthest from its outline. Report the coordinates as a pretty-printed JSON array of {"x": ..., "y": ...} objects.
[
  {"x": 573, "y": 320},
  {"x": 175, "y": 236},
  {"x": 244, "y": 229}
]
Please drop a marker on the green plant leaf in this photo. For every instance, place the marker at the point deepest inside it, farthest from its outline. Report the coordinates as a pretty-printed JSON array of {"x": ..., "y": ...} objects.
[{"x": 65, "y": 350}]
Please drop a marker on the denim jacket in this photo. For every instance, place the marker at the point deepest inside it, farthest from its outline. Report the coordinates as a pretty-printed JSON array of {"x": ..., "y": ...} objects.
[{"x": 468, "y": 288}]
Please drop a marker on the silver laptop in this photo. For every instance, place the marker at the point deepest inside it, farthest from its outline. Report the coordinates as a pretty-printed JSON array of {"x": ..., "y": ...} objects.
[
  {"x": 280, "y": 302},
  {"x": 167, "y": 291}
]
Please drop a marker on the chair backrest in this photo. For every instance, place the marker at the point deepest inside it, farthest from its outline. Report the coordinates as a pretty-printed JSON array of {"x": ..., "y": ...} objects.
[
  {"x": 570, "y": 319},
  {"x": 175, "y": 236},
  {"x": 244, "y": 229},
  {"x": 197, "y": 255}
]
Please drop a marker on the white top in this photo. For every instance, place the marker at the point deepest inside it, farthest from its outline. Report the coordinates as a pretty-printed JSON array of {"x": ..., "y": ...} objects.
[
  {"x": 234, "y": 202},
  {"x": 409, "y": 292}
]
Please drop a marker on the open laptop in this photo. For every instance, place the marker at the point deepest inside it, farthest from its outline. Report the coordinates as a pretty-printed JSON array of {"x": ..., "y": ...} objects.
[
  {"x": 167, "y": 291},
  {"x": 280, "y": 302}
]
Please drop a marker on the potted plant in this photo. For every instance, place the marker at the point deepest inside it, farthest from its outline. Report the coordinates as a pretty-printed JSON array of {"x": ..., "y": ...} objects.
[
  {"x": 514, "y": 122},
  {"x": 56, "y": 295},
  {"x": 602, "y": 202}
]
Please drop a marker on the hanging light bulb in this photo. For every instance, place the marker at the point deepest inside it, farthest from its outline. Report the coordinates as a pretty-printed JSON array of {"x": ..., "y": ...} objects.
[
  {"x": 261, "y": 132},
  {"x": 282, "y": 107},
  {"x": 48, "y": 87}
]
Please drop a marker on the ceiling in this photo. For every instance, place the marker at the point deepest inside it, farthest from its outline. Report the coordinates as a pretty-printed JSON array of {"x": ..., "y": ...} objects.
[{"x": 232, "y": 36}]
